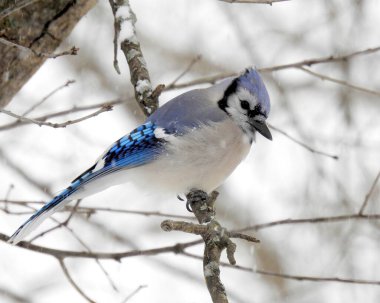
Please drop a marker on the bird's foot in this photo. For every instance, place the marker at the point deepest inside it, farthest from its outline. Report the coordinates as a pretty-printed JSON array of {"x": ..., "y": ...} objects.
[{"x": 201, "y": 204}]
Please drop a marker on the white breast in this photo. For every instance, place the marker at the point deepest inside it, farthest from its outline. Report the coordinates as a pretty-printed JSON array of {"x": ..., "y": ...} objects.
[{"x": 203, "y": 159}]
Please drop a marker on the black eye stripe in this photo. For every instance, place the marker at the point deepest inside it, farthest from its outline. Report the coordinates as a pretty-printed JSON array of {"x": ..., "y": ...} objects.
[
  {"x": 256, "y": 111},
  {"x": 244, "y": 104}
]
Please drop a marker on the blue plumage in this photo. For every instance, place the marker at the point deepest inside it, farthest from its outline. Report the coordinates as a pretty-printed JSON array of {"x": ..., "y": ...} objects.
[
  {"x": 137, "y": 148},
  {"x": 195, "y": 140}
]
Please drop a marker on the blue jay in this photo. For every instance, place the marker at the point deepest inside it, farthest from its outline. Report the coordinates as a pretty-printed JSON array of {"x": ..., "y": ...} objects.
[{"x": 195, "y": 140}]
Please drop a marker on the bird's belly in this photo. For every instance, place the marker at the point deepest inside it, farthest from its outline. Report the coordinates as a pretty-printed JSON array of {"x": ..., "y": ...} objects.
[{"x": 203, "y": 159}]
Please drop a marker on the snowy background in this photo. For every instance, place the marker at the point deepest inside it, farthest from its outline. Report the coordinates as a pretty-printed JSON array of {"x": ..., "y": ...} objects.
[{"x": 278, "y": 180}]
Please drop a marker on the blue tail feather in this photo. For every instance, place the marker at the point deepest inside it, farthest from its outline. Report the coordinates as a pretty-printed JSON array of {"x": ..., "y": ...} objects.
[{"x": 42, "y": 213}]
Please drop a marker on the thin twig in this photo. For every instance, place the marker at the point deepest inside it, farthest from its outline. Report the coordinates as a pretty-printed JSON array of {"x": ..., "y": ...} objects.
[
  {"x": 14, "y": 296},
  {"x": 20, "y": 170},
  {"x": 73, "y": 51},
  {"x": 72, "y": 282},
  {"x": 74, "y": 109},
  {"x": 32, "y": 108},
  {"x": 340, "y": 82},
  {"x": 65, "y": 225},
  {"x": 7, "y": 195},
  {"x": 310, "y": 149},
  {"x": 288, "y": 276},
  {"x": 91, "y": 210},
  {"x": 188, "y": 68},
  {"x": 314, "y": 220},
  {"x": 103, "y": 109},
  {"x": 132, "y": 294},
  {"x": 321, "y": 60},
  {"x": 306, "y": 62},
  {"x": 101, "y": 255},
  {"x": 369, "y": 194}
]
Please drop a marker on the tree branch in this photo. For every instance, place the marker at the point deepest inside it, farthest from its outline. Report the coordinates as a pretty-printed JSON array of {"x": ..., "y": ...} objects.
[
  {"x": 72, "y": 51},
  {"x": 72, "y": 282},
  {"x": 104, "y": 108},
  {"x": 340, "y": 82},
  {"x": 40, "y": 32},
  {"x": 125, "y": 34},
  {"x": 288, "y": 276},
  {"x": 306, "y": 62},
  {"x": 304, "y": 145},
  {"x": 61, "y": 254},
  {"x": 74, "y": 109},
  {"x": 215, "y": 237},
  {"x": 369, "y": 194}
]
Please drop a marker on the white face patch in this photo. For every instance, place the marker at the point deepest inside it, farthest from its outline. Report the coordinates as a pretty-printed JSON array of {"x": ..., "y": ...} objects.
[
  {"x": 239, "y": 114},
  {"x": 243, "y": 94}
]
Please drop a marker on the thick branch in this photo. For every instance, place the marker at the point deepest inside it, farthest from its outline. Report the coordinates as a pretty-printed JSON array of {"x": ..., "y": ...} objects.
[
  {"x": 38, "y": 33},
  {"x": 215, "y": 237},
  {"x": 125, "y": 34}
]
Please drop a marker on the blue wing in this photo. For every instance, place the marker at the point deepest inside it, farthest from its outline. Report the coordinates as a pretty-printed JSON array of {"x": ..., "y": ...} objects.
[
  {"x": 188, "y": 111},
  {"x": 139, "y": 147}
]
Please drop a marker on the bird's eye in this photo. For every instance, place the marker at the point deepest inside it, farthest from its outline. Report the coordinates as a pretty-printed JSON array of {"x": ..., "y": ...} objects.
[{"x": 244, "y": 104}]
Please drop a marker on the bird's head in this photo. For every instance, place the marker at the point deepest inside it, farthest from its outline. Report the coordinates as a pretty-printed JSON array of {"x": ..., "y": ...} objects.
[{"x": 246, "y": 101}]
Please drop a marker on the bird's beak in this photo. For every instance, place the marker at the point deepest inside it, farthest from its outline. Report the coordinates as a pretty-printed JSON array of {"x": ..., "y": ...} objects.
[{"x": 262, "y": 128}]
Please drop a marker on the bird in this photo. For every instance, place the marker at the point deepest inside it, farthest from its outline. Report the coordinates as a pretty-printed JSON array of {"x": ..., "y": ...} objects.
[{"x": 195, "y": 140}]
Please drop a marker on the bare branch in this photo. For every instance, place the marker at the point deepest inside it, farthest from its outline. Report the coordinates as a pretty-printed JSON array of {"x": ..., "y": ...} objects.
[
  {"x": 188, "y": 68},
  {"x": 288, "y": 276},
  {"x": 340, "y": 82},
  {"x": 66, "y": 84},
  {"x": 91, "y": 210},
  {"x": 60, "y": 254},
  {"x": 310, "y": 149},
  {"x": 71, "y": 281},
  {"x": 60, "y": 113},
  {"x": 8, "y": 294},
  {"x": 104, "y": 108},
  {"x": 322, "y": 60},
  {"x": 73, "y": 51},
  {"x": 369, "y": 194},
  {"x": 125, "y": 34},
  {"x": 21, "y": 171},
  {"x": 130, "y": 296},
  {"x": 307, "y": 62},
  {"x": 314, "y": 220}
]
